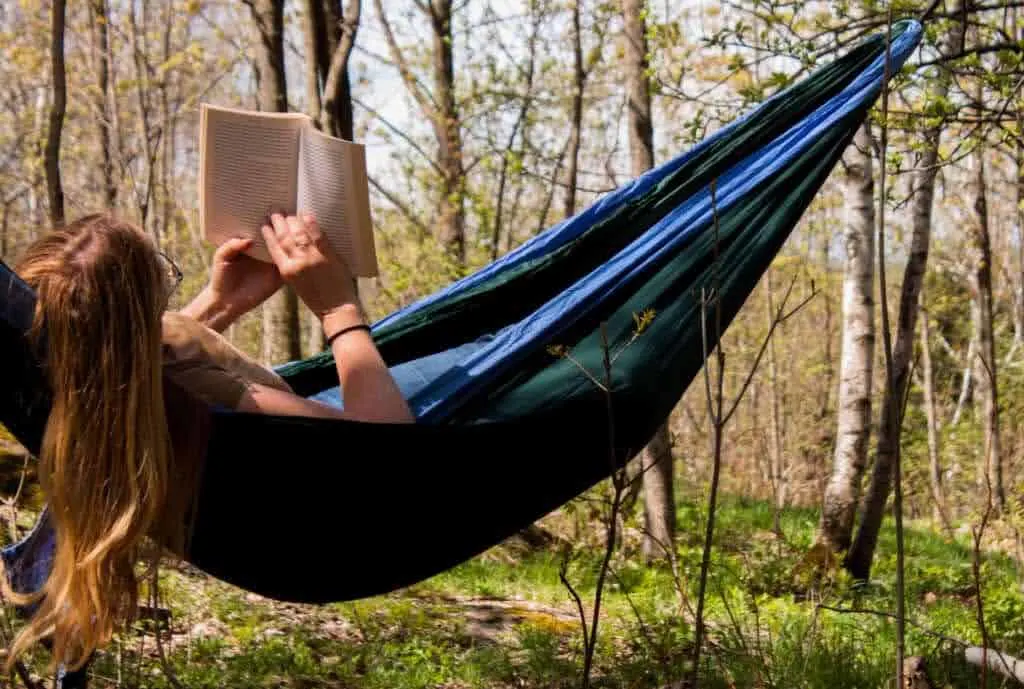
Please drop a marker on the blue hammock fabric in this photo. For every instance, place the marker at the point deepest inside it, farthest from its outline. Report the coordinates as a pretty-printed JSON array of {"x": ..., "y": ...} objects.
[{"x": 508, "y": 431}]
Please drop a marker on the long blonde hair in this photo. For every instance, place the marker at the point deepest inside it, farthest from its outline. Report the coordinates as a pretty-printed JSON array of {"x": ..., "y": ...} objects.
[{"x": 105, "y": 459}]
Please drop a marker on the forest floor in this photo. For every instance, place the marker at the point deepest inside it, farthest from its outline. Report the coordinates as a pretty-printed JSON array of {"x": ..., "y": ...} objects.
[{"x": 504, "y": 619}]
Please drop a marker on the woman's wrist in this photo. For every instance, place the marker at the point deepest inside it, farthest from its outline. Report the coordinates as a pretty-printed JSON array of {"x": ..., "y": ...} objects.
[
  {"x": 341, "y": 317},
  {"x": 212, "y": 311}
]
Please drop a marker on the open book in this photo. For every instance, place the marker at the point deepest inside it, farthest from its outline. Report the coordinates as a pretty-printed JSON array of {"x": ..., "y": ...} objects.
[{"x": 252, "y": 163}]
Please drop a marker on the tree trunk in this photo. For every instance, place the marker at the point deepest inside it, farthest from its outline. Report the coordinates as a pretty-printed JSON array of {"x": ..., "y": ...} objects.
[
  {"x": 314, "y": 37},
  {"x": 167, "y": 224},
  {"x": 842, "y": 492},
  {"x": 314, "y": 43},
  {"x": 3, "y": 231},
  {"x": 576, "y": 116},
  {"x": 269, "y": 18},
  {"x": 778, "y": 472},
  {"x": 990, "y": 472},
  {"x": 54, "y": 189},
  {"x": 40, "y": 117},
  {"x": 824, "y": 407},
  {"x": 1018, "y": 288},
  {"x": 101, "y": 49},
  {"x": 281, "y": 335},
  {"x": 447, "y": 129},
  {"x": 140, "y": 51},
  {"x": 337, "y": 117},
  {"x": 928, "y": 385},
  {"x": 329, "y": 41},
  {"x": 441, "y": 109},
  {"x": 656, "y": 459},
  {"x": 966, "y": 390},
  {"x": 890, "y": 425}
]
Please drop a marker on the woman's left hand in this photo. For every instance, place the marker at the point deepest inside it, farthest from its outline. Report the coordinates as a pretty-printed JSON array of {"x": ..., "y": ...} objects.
[{"x": 241, "y": 282}]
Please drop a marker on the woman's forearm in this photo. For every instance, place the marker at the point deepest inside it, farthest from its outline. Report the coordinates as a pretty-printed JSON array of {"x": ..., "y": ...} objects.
[
  {"x": 370, "y": 391},
  {"x": 212, "y": 312}
]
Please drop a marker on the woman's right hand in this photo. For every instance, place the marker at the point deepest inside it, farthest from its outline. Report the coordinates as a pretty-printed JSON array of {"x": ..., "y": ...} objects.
[{"x": 307, "y": 262}]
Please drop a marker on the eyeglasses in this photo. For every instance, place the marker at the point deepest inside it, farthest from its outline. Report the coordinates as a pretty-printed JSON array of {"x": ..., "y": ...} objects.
[{"x": 172, "y": 272}]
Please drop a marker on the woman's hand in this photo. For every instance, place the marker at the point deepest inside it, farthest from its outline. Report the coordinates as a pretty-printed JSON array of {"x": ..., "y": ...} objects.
[
  {"x": 240, "y": 280},
  {"x": 306, "y": 262},
  {"x": 238, "y": 283}
]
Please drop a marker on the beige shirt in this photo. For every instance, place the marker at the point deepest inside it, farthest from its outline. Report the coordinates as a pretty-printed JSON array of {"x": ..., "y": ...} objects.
[
  {"x": 206, "y": 364},
  {"x": 202, "y": 369}
]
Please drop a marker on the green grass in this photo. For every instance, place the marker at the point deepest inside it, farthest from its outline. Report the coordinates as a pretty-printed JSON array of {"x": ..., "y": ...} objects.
[{"x": 505, "y": 620}]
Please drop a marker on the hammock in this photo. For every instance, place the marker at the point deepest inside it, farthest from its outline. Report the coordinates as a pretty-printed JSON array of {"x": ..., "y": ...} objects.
[{"x": 314, "y": 510}]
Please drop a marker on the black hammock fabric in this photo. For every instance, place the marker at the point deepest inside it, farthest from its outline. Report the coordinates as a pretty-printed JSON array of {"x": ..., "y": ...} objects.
[{"x": 314, "y": 510}]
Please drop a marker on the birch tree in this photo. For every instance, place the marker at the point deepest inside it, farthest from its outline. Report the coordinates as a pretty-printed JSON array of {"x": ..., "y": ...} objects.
[
  {"x": 842, "y": 492},
  {"x": 890, "y": 424}
]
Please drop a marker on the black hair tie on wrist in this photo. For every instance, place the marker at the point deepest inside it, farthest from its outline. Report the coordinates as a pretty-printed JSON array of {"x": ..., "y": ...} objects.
[{"x": 335, "y": 336}]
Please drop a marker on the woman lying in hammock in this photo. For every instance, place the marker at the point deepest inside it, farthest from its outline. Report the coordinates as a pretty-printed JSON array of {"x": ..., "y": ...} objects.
[{"x": 132, "y": 390}]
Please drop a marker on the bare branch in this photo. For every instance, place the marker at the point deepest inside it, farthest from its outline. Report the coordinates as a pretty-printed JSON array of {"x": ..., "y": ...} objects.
[
  {"x": 402, "y": 207},
  {"x": 415, "y": 88}
]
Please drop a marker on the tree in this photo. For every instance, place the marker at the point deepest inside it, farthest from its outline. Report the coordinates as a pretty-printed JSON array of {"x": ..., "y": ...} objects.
[
  {"x": 891, "y": 422},
  {"x": 581, "y": 70},
  {"x": 55, "y": 190},
  {"x": 104, "y": 97},
  {"x": 656, "y": 459},
  {"x": 441, "y": 109},
  {"x": 281, "y": 341},
  {"x": 1018, "y": 292},
  {"x": 148, "y": 134},
  {"x": 777, "y": 468},
  {"x": 330, "y": 37},
  {"x": 928, "y": 389},
  {"x": 990, "y": 471},
  {"x": 842, "y": 492},
  {"x": 518, "y": 127},
  {"x": 329, "y": 40}
]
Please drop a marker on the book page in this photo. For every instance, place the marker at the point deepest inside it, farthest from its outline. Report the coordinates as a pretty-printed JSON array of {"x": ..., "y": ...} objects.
[
  {"x": 333, "y": 186},
  {"x": 248, "y": 167}
]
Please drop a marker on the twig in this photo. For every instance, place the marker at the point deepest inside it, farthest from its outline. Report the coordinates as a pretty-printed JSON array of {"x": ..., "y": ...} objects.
[
  {"x": 977, "y": 534},
  {"x": 714, "y": 407},
  {"x": 781, "y": 316},
  {"x": 884, "y": 613},
  {"x": 889, "y": 366},
  {"x": 563, "y": 571},
  {"x": 165, "y": 664},
  {"x": 619, "y": 481}
]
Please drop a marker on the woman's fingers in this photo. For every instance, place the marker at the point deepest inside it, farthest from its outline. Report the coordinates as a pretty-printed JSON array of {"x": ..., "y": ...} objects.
[
  {"x": 281, "y": 231},
  {"x": 298, "y": 241},
  {"x": 297, "y": 230},
  {"x": 273, "y": 246},
  {"x": 232, "y": 248},
  {"x": 312, "y": 227}
]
